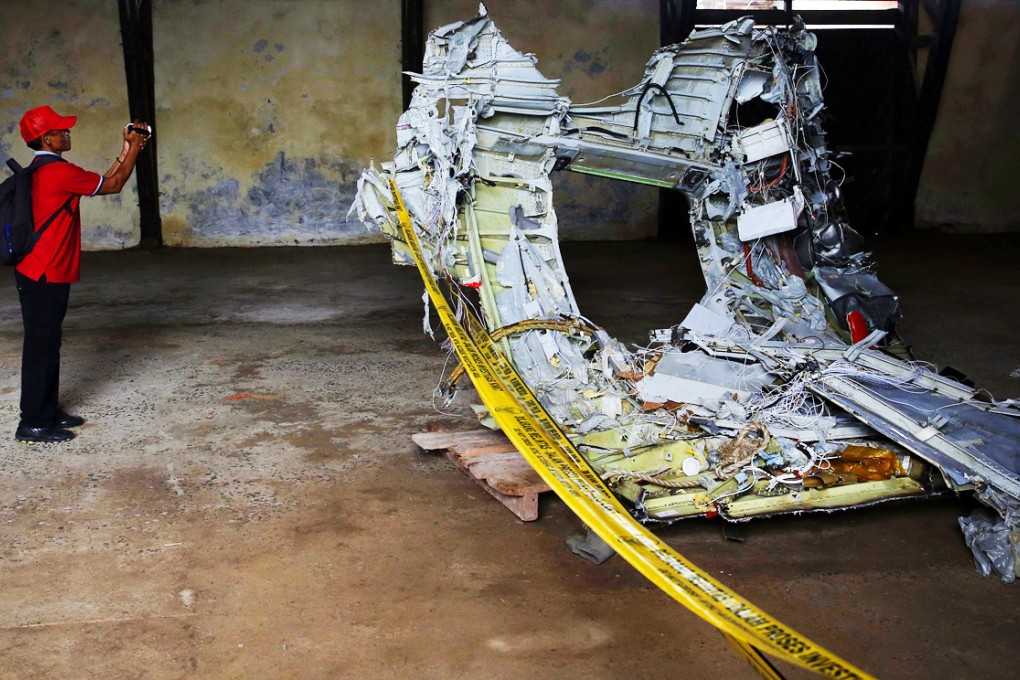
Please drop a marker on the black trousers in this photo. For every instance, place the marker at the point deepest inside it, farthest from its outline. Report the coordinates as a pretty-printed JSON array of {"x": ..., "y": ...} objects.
[{"x": 43, "y": 306}]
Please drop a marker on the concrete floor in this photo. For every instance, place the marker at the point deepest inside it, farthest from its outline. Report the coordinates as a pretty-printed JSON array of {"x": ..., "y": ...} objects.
[{"x": 245, "y": 501}]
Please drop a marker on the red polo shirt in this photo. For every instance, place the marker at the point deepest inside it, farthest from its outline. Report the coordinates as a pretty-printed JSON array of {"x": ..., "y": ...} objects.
[{"x": 57, "y": 253}]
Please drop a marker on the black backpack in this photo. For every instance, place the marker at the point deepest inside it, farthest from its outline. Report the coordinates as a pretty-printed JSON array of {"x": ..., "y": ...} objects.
[{"x": 17, "y": 226}]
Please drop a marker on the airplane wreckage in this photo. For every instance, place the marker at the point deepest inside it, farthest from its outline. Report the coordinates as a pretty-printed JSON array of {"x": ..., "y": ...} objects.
[{"x": 786, "y": 389}]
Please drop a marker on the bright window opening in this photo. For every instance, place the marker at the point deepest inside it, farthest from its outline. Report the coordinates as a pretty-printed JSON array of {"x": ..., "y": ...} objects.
[
  {"x": 741, "y": 4},
  {"x": 805, "y": 5},
  {"x": 802, "y": 5}
]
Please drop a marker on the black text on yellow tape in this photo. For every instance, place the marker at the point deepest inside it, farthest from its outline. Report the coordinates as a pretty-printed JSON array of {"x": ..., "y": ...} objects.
[{"x": 542, "y": 443}]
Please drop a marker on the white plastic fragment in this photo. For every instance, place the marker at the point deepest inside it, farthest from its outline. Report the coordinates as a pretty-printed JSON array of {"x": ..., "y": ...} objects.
[
  {"x": 704, "y": 321},
  {"x": 771, "y": 218},
  {"x": 762, "y": 141}
]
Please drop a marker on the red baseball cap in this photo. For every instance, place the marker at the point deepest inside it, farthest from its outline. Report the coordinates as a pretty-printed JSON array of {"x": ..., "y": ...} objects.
[{"x": 42, "y": 119}]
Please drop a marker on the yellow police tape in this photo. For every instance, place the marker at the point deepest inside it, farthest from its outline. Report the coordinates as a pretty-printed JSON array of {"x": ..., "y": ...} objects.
[{"x": 539, "y": 439}]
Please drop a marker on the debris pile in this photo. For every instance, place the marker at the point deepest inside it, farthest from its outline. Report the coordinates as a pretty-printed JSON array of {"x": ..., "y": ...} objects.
[{"x": 786, "y": 388}]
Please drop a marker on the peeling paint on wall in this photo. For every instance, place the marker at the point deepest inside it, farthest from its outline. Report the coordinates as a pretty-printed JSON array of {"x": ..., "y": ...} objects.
[
  {"x": 291, "y": 201},
  {"x": 67, "y": 54},
  {"x": 266, "y": 108},
  {"x": 592, "y": 64}
]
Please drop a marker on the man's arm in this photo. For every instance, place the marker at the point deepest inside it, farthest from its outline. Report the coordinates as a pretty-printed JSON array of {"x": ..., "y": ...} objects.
[{"x": 119, "y": 173}]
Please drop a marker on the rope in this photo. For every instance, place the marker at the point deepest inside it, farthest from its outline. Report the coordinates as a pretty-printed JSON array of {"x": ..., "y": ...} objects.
[
  {"x": 738, "y": 453},
  {"x": 611, "y": 475}
]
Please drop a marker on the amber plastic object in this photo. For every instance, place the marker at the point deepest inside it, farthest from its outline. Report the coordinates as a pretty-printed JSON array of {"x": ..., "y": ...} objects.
[{"x": 868, "y": 464}]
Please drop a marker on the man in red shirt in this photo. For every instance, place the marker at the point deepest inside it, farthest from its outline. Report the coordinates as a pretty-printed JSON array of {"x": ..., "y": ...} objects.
[{"x": 45, "y": 276}]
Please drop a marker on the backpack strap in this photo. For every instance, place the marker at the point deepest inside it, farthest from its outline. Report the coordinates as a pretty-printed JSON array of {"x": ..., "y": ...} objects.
[
  {"x": 44, "y": 159},
  {"x": 66, "y": 206},
  {"x": 38, "y": 162}
]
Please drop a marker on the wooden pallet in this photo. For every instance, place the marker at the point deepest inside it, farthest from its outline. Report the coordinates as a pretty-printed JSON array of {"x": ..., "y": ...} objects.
[{"x": 493, "y": 463}]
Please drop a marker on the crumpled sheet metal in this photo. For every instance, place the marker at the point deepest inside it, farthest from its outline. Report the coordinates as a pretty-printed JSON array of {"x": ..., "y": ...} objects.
[
  {"x": 995, "y": 544},
  {"x": 731, "y": 409}
]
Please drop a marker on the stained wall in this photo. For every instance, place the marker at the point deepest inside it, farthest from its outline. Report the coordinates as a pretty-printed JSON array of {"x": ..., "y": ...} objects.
[
  {"x": 67, "y": 54},
  {"x": 973, "y": 160},
  {"x": 268, "y": 110}
]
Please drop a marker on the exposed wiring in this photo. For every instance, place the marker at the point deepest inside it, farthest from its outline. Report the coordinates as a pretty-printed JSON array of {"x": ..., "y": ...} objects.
[
  {"x": 629, "y": 90},
  {"x": 776, "y": 180},
  {"x": 438, "y": 391},
  {"x": 669, "y": 99}
]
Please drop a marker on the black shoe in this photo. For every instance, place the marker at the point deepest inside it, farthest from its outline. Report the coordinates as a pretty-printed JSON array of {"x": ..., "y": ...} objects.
[
  {"x": 65, "y": 420},
  {"x": 42, "y": 435}
]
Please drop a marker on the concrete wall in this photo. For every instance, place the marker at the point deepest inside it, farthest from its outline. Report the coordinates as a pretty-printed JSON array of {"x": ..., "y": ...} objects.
[
  {"x": 67, "y": 54},
  {"x": 969, "y": 178},
  {"x": 597, "y": 47},
  {"x": 267, "y": 111}
]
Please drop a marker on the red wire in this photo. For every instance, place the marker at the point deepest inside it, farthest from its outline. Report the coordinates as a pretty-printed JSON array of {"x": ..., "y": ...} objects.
[
  {"x": 782, "y": 173},
  {"x": 750, "y": 268}
]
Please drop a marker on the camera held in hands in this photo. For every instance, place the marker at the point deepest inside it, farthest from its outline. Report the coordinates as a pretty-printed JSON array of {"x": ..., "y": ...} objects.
[{"x": 143, "y": 130}]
